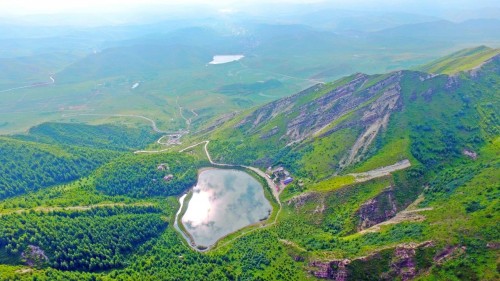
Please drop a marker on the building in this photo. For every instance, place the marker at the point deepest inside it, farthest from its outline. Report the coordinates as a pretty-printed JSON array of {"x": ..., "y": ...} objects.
[
  {"x": 168, "y": 177},
  {"x": 287, "y": 180}
]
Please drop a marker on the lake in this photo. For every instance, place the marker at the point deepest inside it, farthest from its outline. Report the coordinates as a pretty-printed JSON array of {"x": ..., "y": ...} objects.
[
  {"x": 223, "y": 202},
  {"x": 220, "y": 59}
]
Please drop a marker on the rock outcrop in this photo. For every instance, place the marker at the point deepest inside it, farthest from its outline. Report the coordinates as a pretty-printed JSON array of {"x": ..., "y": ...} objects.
[
  {"x": 375, "y": 118},
  {"x": 34, "y": 256},
  {"x": 377, "y": 210},
  {"x": 402, "y": 265},
  {"x": 334, "y": 270}
]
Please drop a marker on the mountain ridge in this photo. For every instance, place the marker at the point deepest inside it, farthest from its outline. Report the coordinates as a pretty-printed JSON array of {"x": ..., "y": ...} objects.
[{"x": 395, "y": 176}]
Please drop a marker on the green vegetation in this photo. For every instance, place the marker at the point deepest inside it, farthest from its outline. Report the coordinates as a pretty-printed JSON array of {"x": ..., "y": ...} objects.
[
  {"x": 391, "y": 153},
  {"x": 248, "y": 89},
  {"x": 109, "y": 137},
  {"x": 460, "y": 61},
  {"x": 78, "y": 193},
  {"x": 93, "y": 240},
  {"x": 148, "y": 175},
  {"x": 110, "y": 217},
  {"x": 29, "y": 166},
  {"x": 334, "y": 183}
]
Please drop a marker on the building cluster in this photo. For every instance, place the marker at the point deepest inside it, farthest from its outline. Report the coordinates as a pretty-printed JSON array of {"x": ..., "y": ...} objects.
[
  {"x": 164, "y": 167},
  {"x": 280, "y": 176}
]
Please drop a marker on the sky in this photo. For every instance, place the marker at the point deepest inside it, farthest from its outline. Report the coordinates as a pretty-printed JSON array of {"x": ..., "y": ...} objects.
[{"x": 24, "y": 7}]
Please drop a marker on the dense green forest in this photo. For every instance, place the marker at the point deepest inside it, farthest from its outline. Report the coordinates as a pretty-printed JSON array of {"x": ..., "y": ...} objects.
[
  {"x": 148, "y": 175},
  {"x": 28, "y": 166},
  {"x": 106, "y": 136},
  {"x": 54, "y": 153},
  {"x": 80, "y": 240}
]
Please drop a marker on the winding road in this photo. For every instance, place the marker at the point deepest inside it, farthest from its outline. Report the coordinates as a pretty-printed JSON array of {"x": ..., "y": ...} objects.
[
  {"x": 47, "y": 209},
  {"x": 52, "y": 81},
  {"x": 271, "y": 184},
  {"x": 155, "y": 128},
  {"x": 153, "y": 123}
]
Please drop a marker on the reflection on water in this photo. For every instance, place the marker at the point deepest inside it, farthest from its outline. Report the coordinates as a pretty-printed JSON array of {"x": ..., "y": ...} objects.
[{"x": 224, "y": 201}]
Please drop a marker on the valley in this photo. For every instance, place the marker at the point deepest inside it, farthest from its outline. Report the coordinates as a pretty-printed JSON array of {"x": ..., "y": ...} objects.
[
  {"x": 282, "y": 141},
  {"x": 385, "y": 206}
]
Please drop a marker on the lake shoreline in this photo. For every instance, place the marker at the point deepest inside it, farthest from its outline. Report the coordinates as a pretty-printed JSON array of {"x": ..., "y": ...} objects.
[{"x": 216, "y": 218}]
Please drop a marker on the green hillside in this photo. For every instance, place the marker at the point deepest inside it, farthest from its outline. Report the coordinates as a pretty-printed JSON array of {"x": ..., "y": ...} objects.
[
  {"x": 460, "y": 61},
  {"x": 28, "y": 166},
  {"x": 396, "y": 177},
  {"x": 109, "y": 137},
  {"x": 363, "y": 122}
]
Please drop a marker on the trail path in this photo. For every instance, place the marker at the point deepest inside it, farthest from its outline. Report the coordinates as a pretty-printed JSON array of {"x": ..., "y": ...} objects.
[
  {"x": 72, "y": 208},
  {"x": 187, "y": 120},
  {"x": 155, "y": 128},
  {"x": 52, "y": 81},
  {"x": 382, "y": 171},
  {"x": 411, "y": 213},
  {"x": 153, "y": 123}
]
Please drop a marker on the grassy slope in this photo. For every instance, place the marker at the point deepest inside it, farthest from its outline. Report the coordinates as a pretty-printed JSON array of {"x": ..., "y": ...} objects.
[
  {"x": 460, "y": 61},
  {"x": 431, "y": 131}
]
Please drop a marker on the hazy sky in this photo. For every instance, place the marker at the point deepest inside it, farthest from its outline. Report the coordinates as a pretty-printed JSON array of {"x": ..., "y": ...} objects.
[{"x": 16, "y": 7}]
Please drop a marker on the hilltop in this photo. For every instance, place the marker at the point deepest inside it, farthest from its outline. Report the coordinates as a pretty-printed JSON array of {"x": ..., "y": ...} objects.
[{"x": 467, "y": 59}]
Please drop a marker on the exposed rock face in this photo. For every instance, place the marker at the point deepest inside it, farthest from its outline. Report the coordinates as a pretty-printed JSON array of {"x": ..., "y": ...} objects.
[
  {"x": 402, "y": 266},
  {"x": 448, "y": 253},
  {"x": 306, "y": 119},
  {"x": 493, "y": 245},
  {"x": 270, "y": 133},
  {"x": 34, "y": 256},
  {"x": 334, "y": 270},
  {"x": 320, "y": 112},
  {"x": 299, "y": 200},
  {"x": 375, "y": 118},
  {"x": 469, "y": 153},
  {"x": 377, "y": 210},
  {"x": 217, "y": 123},
  {"x": 477, "y": 70},
  {"x": 322, "y": 269},
  {"x": 271, "y": 110},
  {"x": 452, "y": 82}
]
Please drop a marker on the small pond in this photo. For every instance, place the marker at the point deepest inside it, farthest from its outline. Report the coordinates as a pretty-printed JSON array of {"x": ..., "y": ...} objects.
[
  {"x": 223, "y": 202},
  {"x": 220, "y": 59}
]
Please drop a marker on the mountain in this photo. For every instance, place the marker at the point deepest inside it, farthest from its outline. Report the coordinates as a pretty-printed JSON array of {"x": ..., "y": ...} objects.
[
  {"x": 384, "y": 160},
  {"x": 478, "y": 29},
  {"x": 95, "y": 69},
  {"x": 341, "y": 21},
  {"x": 138, "y": 59},
  {"x": 345, "y": 117},
  {"x": 395, "y": 177}
]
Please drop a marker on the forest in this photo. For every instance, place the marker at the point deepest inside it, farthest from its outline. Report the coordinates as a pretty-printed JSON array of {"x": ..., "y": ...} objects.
[{"x": 77, "y": 204}]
